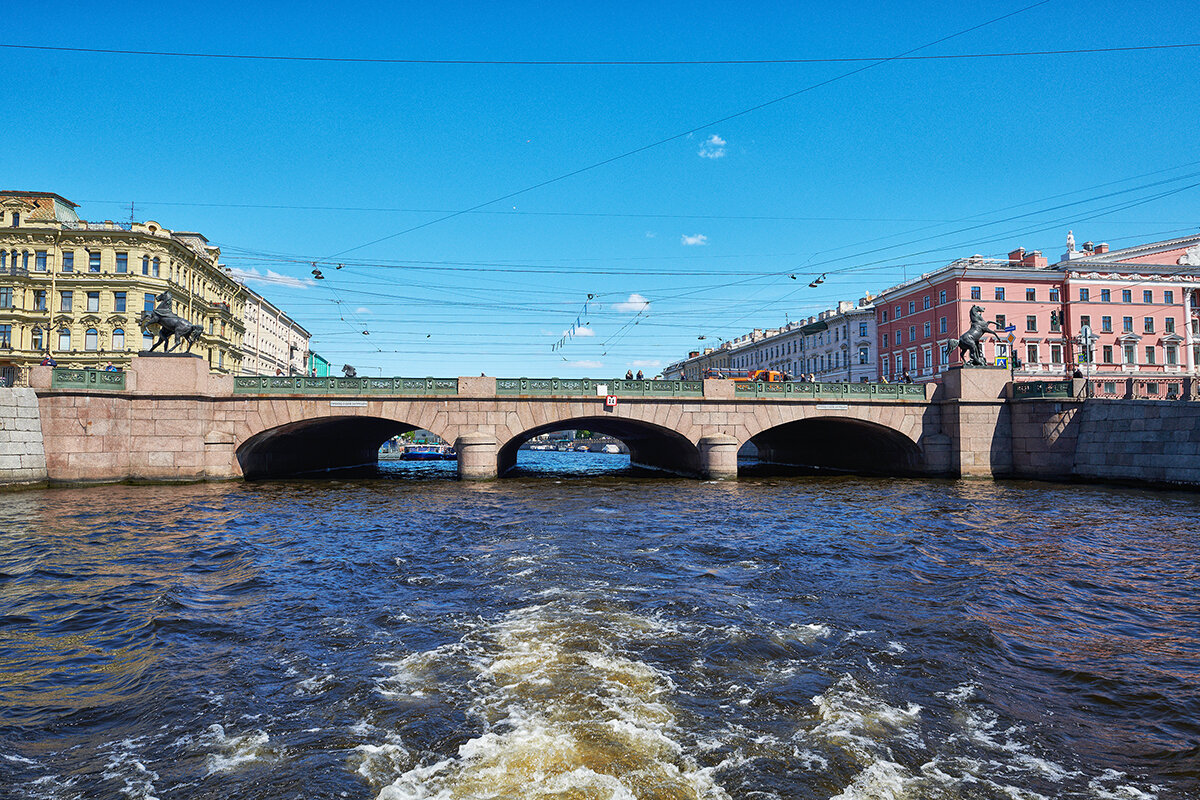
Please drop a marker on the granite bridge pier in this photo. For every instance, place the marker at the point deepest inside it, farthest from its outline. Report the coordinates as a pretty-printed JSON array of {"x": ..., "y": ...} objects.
[{"x": 168, "y": 419}]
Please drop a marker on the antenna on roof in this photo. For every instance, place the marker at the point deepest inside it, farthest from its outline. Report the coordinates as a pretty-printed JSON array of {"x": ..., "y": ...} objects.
[{"x": 130, "y": 212}]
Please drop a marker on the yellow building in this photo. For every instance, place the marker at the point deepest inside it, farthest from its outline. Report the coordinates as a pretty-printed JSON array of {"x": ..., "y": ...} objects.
[{"x": 72, "y": 290}]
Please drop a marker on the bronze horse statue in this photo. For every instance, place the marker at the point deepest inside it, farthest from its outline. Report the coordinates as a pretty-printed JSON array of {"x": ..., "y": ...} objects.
[
  {"x": 169, "y": 324},
  {"x": 969, "y": 342}
]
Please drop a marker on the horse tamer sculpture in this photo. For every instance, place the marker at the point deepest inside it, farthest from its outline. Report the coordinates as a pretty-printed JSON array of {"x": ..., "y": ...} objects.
[
  {"x": 968, "y": 343},
  {"x": 169, "y": 324}
]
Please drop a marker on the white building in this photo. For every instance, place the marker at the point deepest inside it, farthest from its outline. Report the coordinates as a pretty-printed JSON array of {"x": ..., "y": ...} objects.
[
  {"x": 835, "y": 345},
  {"x": 274, "y": 343}
]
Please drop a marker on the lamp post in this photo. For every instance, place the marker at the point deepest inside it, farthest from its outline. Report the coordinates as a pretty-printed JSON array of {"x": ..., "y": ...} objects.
[{"x": 1087, "y": 340}]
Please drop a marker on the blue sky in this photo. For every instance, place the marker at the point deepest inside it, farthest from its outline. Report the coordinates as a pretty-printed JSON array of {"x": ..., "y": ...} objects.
[{"x": 871, "y": 178}]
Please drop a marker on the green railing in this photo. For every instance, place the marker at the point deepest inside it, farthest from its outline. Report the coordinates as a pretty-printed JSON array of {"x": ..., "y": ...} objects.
[
  {"x": 68, "y": 378},
  {"x": 830, "y": 391},
  {"x": 596, "y": 387},
  {"x": 297, "y": 384},
  {"x": 1036, "y": 390}
]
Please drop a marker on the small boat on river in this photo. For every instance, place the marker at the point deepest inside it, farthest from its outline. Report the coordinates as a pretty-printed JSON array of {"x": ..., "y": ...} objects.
[{"x": 428, "y": 452}]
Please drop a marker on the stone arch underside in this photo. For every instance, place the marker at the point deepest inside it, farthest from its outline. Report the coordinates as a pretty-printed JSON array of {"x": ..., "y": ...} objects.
[
  {"x": 840, "y": 443},
  {"x": 317, "y": 445},
  {"x": 650, "y": 446}
]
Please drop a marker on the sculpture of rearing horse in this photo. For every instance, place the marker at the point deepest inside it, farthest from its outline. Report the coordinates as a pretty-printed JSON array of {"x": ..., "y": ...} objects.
[
  {"x": 969, "y": 342},
  {"x": 169, "y": 324}
]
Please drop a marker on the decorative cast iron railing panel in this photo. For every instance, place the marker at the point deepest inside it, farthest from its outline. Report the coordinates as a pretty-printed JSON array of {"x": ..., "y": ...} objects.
[
  {"x": 68, "y": 378},
  {"x": 305, "y": 385},
  {"x": 797, "y": 390},
  {"x": 596, "y": 387}
]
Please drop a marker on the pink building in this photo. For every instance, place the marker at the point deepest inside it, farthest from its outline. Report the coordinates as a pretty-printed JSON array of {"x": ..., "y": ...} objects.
[{"x": 1140, "y": 302}]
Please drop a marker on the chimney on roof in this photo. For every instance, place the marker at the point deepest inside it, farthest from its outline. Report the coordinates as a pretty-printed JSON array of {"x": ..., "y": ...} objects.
[
  {"x": 1017, "y": 255},
  {"x": 1102, "y": 247}
]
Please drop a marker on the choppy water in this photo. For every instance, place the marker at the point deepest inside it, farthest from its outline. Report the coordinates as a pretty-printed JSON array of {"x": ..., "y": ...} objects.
[{"x": 590, "y": 636}]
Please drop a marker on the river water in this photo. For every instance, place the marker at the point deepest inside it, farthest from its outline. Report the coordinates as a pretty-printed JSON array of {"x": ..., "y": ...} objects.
[{"x": 579, "y": 633}]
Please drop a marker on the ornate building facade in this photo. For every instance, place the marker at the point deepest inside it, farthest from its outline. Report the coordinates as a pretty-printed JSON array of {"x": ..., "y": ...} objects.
[
  {"x": 274, "y": 343},
  {"x": 71, "y": 291}
]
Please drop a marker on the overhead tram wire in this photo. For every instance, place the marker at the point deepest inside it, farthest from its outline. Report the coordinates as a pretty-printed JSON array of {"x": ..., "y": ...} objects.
[
  {"x": 598, "y": 62},
  {"x": 696, "y": 129}
]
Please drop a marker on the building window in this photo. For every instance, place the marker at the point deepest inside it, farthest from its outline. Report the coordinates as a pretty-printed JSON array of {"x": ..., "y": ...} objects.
[
  {"x": 39, "y": 260},
  {"x": 1031, "y": 323},
  {"x": 942, "y": 325},
  {"x": 884, "y": 316},
  {"x": 147, "y": 340},
  {"x": 1130, "y": 354},
  {"x": 1031, "y": 354},
  {"x": 912, "y": 333},
  {"x": 1172, "y": 355},
  {"x": 1127, "y": 324},
  {"x": 885, "y": 340},
  {"x": 1056, "y": 354},
  {"x": 1148, "y": 297},
  {"x": 942, "y": 296},
  {"x": 5, "y": 297},
  {"x": 912, "y": 361},
  {"x": 1054, "y": 294},
  {"x": 118, "y": 301},
  {"x": 93, "y": 261},
  {"x": 145, "y": 265},
  {"x": 1106, "y": 324},
  {"x": 122, "y": 262},
  {"x": 864, "y": 355},
  {"x": 945, "y": 357},
  {"x": 926, "y": 302},
  {"x": 1169, "y": 324},
  {"x": 39, "y": 299},
  {"x": 976, "y": 293},
  {"x": 68, "y": 261},
  {"x": 1148, "y": 324},
  {"x": 16, "y": 219},
  {"x": 912, "y": 306},
  {"x": 1030, "y": 295},
  {"x": 1105, "y": 295},
  {"x": 883, "y": 366},
  {"x": 1169, "y": 297},
  {"x": 898, "y": 312},
  {"x": 862, "y": 329},
  {"x": 1108, "y": 353},
  {"x": 1150, "y": 354},
  {"x": 1083, "y": 295},
  {"x": 6, "y": 335},
  {"x": 65, "y": 298},
  {"x": 999, "y": 292},
  {"x": 93, "y": 301},
  {"x": 118, "y": 339},
  {"x": 1126, "y": 295},
  {"x": 1085, "y": 321},
  {"x": 154, "y": 268},
  {"x": 64, "y": 339},
  {"x": 91, "y": 339},
  {"x": 927, "y": 329},
  {"x": 36, "y": 339},
  {"x": 147, "y": 302},
  {"x": 1001, "y": 322}
]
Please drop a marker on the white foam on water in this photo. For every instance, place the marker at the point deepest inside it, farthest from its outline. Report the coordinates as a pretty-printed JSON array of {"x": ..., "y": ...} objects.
[
  {"x": 853, "y": 720},
  {"x": 136, "y": 778},
  {"x": 566, "y": 713},
  {"x": 381, "y": 764},
  {"x": 1121, "y": 791},
  {"x": 236, "y": 751},
  {"x": 317, "y": 684}
]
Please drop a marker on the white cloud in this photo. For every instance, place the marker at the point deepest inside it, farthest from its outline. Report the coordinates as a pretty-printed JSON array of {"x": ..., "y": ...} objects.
[
  {"x": 635, "y": 303},
  {"x": 254, "y": 276},
  {"x": 584, "y": 331},
  {"x": 651, "y": 235},
  {"x": 648, "y": 363},
  {"x": 586, "y": 364},
  {"x": 713, "y": 147},
  {"x": 362, "y": 310},
  {"x": 692, "y": 241}
]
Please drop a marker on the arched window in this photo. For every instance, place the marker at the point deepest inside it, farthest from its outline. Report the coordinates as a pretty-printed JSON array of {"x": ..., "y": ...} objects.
[
  {"x": 3, "y": 260},
  {"x": 64, "y": 339},
  {"x": 91, "y": 339},
  {"x": 118, "y": 339},
  {"x": 147, "y": 340},
  {"x": 25, "y": 260},
  {"x": 145, "y": 265},
  {"x": 154, "y": 270}
]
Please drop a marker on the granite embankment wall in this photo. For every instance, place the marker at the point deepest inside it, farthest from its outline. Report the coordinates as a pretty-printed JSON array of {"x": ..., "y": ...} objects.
[
  {"x": 1152, "y": 441},
  {"x": 22, "y": 452}
]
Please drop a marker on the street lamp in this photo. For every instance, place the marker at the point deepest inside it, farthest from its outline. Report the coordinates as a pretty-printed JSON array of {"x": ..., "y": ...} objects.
[{"x": 1087, "y": 340}]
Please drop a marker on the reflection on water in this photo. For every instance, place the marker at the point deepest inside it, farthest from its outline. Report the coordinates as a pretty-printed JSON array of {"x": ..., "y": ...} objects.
[{"x": 578, "y": 633}]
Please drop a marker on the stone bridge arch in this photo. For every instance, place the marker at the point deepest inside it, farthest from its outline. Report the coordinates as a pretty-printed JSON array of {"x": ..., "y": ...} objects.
[
  {"x": 843, "y": 441},
  {"x": 651, "y": 446}
]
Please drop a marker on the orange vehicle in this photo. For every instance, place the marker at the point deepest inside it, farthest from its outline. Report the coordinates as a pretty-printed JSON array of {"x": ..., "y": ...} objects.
[{"x": 743, "y": 376}]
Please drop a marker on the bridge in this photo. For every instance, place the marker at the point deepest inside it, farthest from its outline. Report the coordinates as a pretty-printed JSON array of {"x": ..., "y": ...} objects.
[{"x": 167, "y": 418}]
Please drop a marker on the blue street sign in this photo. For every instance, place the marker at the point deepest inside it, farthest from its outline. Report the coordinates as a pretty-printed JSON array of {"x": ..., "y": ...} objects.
[{"x": 1009, "y": 328}]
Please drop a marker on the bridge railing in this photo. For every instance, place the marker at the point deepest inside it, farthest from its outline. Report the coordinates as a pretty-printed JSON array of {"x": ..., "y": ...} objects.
[
  {"x": 1036, "y": 390},
  {"x": 300, "y": 384},
  {"x": 594, "y": 387},
  {"x": 90, "y": 379},
  {"x": 797, "y": 390}
]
